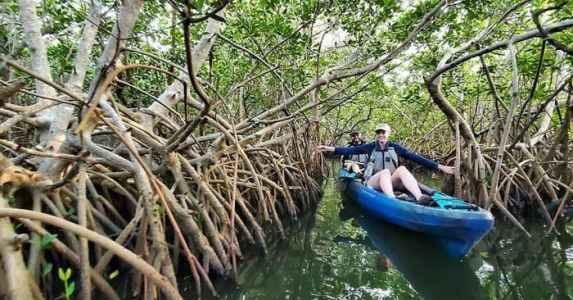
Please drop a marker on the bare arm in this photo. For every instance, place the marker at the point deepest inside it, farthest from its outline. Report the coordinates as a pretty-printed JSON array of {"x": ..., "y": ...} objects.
[
  {"x": 324, "y": 148},
  {"x": 446, "y": 169}
]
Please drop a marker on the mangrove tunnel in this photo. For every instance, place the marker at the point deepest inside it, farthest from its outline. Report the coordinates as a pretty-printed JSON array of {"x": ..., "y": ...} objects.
[{"x": 143, "y": 141}]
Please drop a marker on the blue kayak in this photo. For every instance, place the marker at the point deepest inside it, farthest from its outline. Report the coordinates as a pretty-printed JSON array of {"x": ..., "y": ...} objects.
[{"x": 458, "y": 225}]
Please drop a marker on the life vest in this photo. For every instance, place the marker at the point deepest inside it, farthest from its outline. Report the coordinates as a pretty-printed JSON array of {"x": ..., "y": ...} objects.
[
  {"x": 381, "y": 159},
  {"x": 361, "y": 158}
]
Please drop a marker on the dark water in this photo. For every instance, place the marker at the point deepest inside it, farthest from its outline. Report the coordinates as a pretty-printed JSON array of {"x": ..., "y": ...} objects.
[{"x": 340, "y": 254}]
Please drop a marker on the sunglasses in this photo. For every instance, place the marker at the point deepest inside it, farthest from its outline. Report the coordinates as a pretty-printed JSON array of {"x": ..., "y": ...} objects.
[{"x": 380, "y": 131}]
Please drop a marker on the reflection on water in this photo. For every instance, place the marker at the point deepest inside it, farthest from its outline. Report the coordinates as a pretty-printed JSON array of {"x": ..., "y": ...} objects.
[
  {"x": 340, "y": 254},
  {"x": 422, "y": 262}
]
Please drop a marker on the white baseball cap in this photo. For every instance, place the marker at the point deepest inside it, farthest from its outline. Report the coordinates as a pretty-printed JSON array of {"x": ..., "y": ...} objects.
[{"x": 383, "y": 126}]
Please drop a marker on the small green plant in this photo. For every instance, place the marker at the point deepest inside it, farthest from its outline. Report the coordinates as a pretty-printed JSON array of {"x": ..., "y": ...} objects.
[
  {"x": 47, "y": 240},
  {"x": 69, "y": 287}
]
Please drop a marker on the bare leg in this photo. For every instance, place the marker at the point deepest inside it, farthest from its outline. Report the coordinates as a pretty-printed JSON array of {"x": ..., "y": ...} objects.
[
  {"x": 356, "y": 168},
  {"x": 403, "y": 176},
  {"x": 348, "y": 165},
  {"x": 382, "y": 180}
]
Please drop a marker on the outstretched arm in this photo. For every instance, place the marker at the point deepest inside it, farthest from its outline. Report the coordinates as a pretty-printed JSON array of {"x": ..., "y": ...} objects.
[
  {"x": 362, "y": 149},
  {"x": 428, "y": 163},
  {"x": 410, "y": 155},
  {"x": 446, "y": 169},
  {"x": 324, "y": 148}
]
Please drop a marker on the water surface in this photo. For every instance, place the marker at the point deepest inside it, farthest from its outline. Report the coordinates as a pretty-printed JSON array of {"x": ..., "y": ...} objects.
[{"x": 338, "y": 253}]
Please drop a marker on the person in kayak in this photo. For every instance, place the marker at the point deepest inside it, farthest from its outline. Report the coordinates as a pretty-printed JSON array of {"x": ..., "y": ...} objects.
[
  {"x": 355, "y": 139},
  {"x": 355, "y": 162},
  {"x": 383, "y": 171}
]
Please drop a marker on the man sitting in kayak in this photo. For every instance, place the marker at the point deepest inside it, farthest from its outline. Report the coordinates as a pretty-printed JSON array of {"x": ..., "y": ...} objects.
[
  {"x": 383, "y": 171},
  {"x": 355, "y": 162}
]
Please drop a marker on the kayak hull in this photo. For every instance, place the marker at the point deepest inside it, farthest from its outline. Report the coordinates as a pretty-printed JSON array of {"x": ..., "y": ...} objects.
[{"x": 458, "y": 230}]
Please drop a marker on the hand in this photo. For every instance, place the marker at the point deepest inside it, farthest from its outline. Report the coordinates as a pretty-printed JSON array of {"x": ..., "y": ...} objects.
[
  {"x": 447, "y": 169},
  {"x": 324, "y": 148}
]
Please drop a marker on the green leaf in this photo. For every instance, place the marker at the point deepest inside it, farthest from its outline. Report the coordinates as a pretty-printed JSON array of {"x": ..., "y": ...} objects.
[
  {"x": 61, "y": 274},
  {"x": 199, "y": 4},
  {"x": 70, "y": 212},
  {"x": 70, "y": 289},
  {"x": 113, "y": 274},
  {"x": 47, "y": 240},
  {"x": 11, "y": 200},
  {"x": 68, "y": 274},
  {"x": 47, "y": 269}
]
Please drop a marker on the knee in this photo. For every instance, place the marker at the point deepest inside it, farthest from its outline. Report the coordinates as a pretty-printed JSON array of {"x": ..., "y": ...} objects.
[
  {"x": 384, "y": 172},
  {"x": 401, "y": 169}
]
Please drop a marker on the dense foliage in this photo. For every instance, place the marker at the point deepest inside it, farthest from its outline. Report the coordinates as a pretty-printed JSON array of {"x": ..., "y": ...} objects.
[{"x": 184, "y": 110}]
